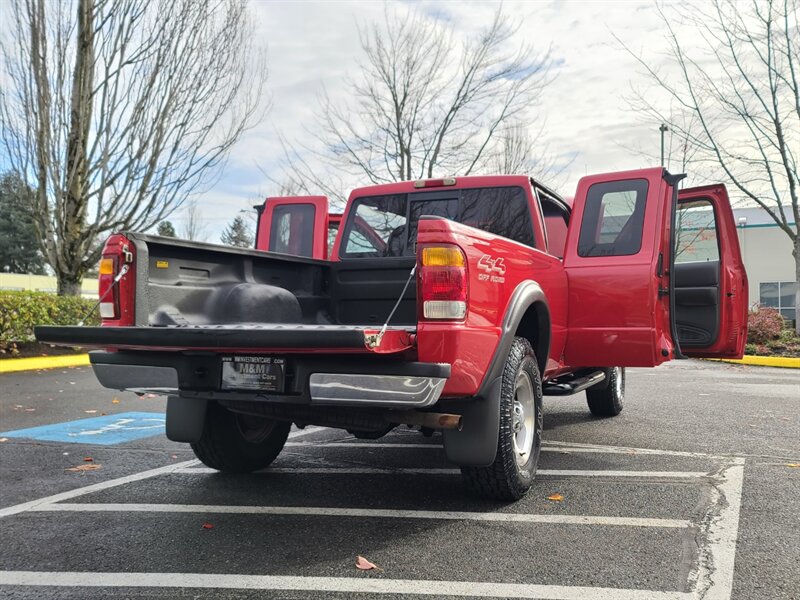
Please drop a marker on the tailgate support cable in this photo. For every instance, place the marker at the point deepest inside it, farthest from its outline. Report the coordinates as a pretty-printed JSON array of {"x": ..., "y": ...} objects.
[
  {"x": 119, "y": 276},
  {"x": 374, "y": 340}
]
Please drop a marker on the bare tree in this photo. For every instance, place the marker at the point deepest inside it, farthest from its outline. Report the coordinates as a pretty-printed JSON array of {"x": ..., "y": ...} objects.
[
  {"x": 742, "y": 89},
  {"x": 522, "y": 151},
  {"x": 117, "y": 110},
  {"x": 422, "y": 105},
  {"x": 194, "y": 226}
]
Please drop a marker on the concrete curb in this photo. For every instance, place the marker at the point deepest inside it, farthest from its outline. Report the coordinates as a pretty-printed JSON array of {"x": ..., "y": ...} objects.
[
  {"x": 12, "y": 365},
  {"x": 764, "y": 361}
]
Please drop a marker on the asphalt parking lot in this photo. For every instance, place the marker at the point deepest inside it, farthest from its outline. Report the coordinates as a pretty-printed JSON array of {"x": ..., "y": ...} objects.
[{"x": 689, "y": 494}]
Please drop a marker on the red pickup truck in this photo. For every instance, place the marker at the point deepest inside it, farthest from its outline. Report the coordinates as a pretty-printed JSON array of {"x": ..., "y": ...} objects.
[{"x": 451, "y": 304}]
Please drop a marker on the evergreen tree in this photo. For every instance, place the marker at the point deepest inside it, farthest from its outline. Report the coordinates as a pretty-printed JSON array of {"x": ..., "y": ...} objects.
[
  {"x": 237, "y": 234},
  {"x": 19, "y": 248},
  {"x": 166, "y": 229}
]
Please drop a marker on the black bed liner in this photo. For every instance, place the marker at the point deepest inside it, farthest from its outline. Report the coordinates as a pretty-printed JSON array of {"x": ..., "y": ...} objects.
[{"x": 240, "y": 335}]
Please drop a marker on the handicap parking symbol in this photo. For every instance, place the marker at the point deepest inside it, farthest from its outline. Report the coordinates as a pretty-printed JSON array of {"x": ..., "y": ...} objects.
[{"x": 105, "y": 431}]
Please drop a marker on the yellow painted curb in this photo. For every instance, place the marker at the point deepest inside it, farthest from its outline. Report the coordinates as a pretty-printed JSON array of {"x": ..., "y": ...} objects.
[
  {"x": 765, "y": 361},
  {"x": 12, "y": 365}
]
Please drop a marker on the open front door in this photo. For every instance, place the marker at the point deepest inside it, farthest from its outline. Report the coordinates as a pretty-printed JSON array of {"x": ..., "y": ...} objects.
[
  {"x": 710, "y": 309},
  {"x": 617, "y": 264},
  {"x": 296, "y": 225}
]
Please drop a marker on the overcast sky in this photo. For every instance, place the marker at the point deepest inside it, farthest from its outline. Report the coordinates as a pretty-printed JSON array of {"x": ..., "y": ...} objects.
[{"x": 312, "y": 45}]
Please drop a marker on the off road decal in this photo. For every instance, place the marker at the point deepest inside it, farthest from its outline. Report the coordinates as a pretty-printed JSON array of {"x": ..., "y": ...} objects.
[{"x": 495, "y": 269}]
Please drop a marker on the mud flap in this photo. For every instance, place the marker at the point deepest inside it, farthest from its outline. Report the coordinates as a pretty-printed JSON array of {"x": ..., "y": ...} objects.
[
  {"x": 476, "y": 444},
  {"x": 185, "y": 418}
]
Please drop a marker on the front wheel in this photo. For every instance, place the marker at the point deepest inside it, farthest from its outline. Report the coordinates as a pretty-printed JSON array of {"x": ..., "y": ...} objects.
[
  {"x": 519, "y": 441},
  {"x": 238, "y": 443},
  {"x": 607, "y": 399}
]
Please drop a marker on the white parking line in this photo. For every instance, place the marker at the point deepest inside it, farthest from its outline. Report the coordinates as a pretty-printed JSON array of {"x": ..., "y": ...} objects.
[
  {"x": 320, "y": 511},
  {"x": 547, "y": 446},
  {"x": 302, "y": 432},
  {"x": 427, "y": 471},
  {"x": 95, "y": 487},
  {"x": 364, "y": 445},
  {"x": 713, "y": 578},
  {"x": 351, "y": 585}
]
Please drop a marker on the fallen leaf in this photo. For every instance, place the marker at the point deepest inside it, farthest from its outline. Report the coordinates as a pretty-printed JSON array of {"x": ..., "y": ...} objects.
[
  {"x": 150, "y": 396},
  {"x": 72, "y": 383},
  {"x": 555, "y": 498},
  {"x": 88, "y": 459},
  {"x": 115, "y": 401},
  {"x": 364, "y": 565},
  {"x": 90, "y": 467},
  {"x": 174, "y": 456},
  {"x": 792, "y": 465},
  {"x": 207, "y": 526},
  {"x": 90, "y": 412},
  {"x": 30, "y": 410}
]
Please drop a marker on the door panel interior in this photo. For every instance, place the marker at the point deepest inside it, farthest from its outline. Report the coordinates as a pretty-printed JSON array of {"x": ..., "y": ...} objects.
[
  {"x": 697, "y": 303},
  {"x": 710, "y": 282}
]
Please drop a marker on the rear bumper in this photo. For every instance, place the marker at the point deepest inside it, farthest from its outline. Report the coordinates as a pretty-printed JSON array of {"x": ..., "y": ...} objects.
[{"x": 357, "y": 381}]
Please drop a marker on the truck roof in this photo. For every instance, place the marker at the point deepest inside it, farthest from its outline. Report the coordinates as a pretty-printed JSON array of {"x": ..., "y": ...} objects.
[{"x": 469, "y": 181}]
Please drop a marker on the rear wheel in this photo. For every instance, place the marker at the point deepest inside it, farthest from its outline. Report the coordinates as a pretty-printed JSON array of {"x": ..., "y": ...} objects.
[
  {"x": 237, "y": 443},
  {"x": 519, "y": 441},
  {"x": 607, "y": 400}
]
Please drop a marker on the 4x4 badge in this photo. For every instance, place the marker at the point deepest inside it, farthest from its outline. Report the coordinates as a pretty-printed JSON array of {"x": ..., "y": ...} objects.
[{"x": 495, "y": 269}]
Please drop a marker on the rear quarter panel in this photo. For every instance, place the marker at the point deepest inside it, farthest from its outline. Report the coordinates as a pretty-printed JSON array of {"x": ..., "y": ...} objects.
[{"x": 469, "y": 346}]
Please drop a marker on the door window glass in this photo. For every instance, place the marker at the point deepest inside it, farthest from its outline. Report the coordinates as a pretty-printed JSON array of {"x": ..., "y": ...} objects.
[
  {"x": 292, "y": 229},
  {"x": 613, "y": 218},
  {"x": 696, "y": 233}
]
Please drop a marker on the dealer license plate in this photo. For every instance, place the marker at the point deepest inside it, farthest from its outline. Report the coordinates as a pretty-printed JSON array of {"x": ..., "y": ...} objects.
[{"x": 264, "y": 373}]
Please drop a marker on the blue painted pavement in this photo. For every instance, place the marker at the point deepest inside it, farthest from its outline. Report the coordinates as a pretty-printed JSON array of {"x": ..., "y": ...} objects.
[{"x": 105, "y": 431}]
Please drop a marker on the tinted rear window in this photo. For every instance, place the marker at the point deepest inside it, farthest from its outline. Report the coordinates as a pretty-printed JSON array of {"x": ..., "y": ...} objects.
[{"x": 387, "y": 225}]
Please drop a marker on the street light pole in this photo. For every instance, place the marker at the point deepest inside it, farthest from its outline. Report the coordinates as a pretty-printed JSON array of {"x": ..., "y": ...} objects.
[{"x": 663, "y": 129}]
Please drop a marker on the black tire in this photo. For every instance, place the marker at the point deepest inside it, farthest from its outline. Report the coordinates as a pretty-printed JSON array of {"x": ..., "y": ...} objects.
[
  {"x": 237, "y": 443},
  {"x": 607, "y": 399},
  {"x": 508, "y": 478}
]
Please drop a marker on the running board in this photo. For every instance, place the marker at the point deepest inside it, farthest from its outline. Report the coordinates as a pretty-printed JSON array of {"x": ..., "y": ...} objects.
[{"x": 566, "y": 386}]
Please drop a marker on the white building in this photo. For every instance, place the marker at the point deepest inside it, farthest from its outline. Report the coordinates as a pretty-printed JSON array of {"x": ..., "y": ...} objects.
[{"x": 767, "y": 255}]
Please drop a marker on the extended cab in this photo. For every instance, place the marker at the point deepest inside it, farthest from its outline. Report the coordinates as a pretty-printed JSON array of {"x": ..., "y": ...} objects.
[{"x": 451, "y": 304}]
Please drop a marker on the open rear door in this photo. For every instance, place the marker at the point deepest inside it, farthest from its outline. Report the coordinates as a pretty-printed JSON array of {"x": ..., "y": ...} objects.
[
  {"x": 617, "y": 264},
  {"x": 296, "y": 225},
  {"x": 710, "y": 309}
]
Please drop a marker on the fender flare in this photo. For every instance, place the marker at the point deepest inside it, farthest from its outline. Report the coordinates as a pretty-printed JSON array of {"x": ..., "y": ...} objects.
[
  {"x": 476, "y": 444},
  {"x": 526, "y": 294}
]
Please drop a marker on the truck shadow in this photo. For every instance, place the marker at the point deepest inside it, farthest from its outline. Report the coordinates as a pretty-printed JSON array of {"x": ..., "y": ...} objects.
[{"x": 554, "y": 419}]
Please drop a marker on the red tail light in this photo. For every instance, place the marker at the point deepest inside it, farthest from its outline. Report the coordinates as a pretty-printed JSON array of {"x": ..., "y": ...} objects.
[
  {"x": 116, "y": 281},
  {"x": 442, "y": 283}
]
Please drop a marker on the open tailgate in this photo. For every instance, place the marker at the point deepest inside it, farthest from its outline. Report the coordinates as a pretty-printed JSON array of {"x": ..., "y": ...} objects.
[{"x": 254, "y": 337}]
